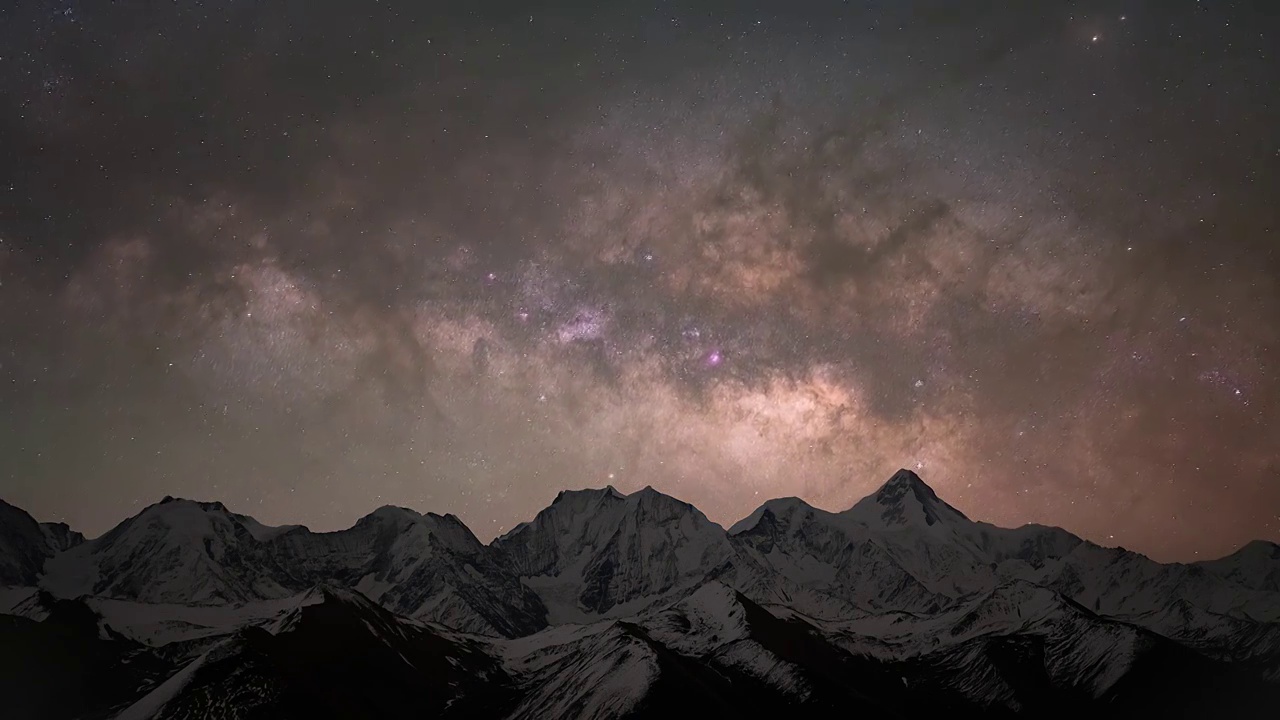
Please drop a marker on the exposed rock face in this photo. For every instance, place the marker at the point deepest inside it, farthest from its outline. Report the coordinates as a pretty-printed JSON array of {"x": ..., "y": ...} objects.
[
  {"x": 599, "y": 552},
  {"x": 25, "y": 545}
]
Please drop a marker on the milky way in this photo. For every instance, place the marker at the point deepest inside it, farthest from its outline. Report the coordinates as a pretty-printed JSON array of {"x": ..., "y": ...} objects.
[{"x": 310, "y": 259}]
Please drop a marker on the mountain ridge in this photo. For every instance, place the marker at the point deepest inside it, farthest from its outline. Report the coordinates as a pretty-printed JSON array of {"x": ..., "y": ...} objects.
[
  {"x": 903, "y": 530},
  {"x": 1270, "y": 546},
  {"x": 609, "y": 604}
]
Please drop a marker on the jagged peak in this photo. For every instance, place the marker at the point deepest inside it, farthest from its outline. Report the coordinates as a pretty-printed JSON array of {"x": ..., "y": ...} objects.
[
  {"x": 608, "y": 492},
  {"x": 578, "y": 500},
  {"x": 323, "y": 593},
  {"x": 177, "y": 502},
  {"x": 580, "y": 508},
  {"x": 905, "y": 480},
  {"x": 60, "y": 535},
  {"x": 447, "y": 518},
  {"x": 588, "y": 500},
  {"x": 450, "y": 530},
  {"x": 649, "y": 495},
  {"x": 447, "y": 529},
  {"x": 905, "y": 500},
  {"x": 264, "y": 533},
  {"x": 784, "y": 507}
]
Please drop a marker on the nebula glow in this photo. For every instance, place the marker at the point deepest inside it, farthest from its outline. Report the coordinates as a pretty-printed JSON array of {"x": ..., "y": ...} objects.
[{"x": 313, "y": 260}]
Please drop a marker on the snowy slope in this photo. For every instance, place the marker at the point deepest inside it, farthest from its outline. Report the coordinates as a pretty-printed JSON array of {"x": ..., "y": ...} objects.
[
  {"x": 903, "y": 549},
  {"x": 1218, "y": 636},
  {"x": 786, "y": 662},
  {"x": 613, "y": 605},
  {"x": 1255, "y": 566},
  {"x": 900, "y": 549},
  {"x": 597, "y": 672},
  {"x": 334, "y": 653},
  {"x": 25, "y": 545},
  {"x": 802, "y": 548},
  {"x": 68, "y": 664},
  {"x": 713, "y": 624},
  {"x": 599, "y": 553},
  {"x": 182, "y": 552},
  {"x": 176, "y": 551},
  {"x": 429, "y": 567}
]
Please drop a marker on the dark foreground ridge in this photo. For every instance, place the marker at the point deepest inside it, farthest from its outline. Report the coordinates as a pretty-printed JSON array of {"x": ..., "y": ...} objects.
[{"x": 610, "y": 605}]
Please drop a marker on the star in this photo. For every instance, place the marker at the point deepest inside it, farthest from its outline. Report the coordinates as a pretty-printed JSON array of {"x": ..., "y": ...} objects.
[{"x": 473, "y": 271}]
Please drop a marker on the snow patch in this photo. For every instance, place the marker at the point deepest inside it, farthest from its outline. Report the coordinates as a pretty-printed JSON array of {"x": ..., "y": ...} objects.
[{"x": 153, "y": 702}]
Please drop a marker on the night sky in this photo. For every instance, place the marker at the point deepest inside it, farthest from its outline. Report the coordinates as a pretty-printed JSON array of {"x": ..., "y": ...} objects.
[{"x": 310, "y": 258}]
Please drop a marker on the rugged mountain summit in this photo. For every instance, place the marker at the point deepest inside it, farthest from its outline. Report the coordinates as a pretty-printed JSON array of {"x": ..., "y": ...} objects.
[
  {"x": 176, "y": 551},
  {"x": 905, "y": 502},
  {"x": 25, "y": 545},
  {"x": 602, "y": 553},
  {"x": 633, "y": 605},
  {"x": 423, "y": 566},
  {"x": 198, "y": 553}
]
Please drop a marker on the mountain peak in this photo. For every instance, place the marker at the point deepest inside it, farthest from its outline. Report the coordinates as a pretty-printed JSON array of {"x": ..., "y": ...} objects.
[
  {"x": 393, "y": 513},
  {"x": 648, "y": 495},
  {"x": 785, "y": 507},
  {"x": 592, "y": 551},
  {"x": 589, "y": 494},
  {"x": 1261, "y": 548},
  {"x": 214, "y": 506},
  {"x": 905, "y": 500},
  {"x": 905, "y": 479},
  {"x": 25, "y": 544},
  {"x": 175, "y": 550}
]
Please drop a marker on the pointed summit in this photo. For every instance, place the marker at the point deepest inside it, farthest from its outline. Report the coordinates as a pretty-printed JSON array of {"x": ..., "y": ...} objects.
[
  {"x": 391, "y": 515},
  {"x": 905, "y": 500},
  {"x": 905, "y": 481}
]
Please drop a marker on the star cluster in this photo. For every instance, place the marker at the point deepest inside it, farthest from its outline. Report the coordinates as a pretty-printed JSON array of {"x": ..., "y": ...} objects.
[{"x": 312, "y": 260}]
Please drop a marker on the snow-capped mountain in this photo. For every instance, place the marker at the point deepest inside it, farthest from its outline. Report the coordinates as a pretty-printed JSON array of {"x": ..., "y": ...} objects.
[
  {"x": 25, "y": 545},
  {"x": 904, "y": 549},
  {"x": 176, "y": 551},
  {"x": 1255, "y": 566},
  {"x": 824, "y": 564},
  {"x": 186, "y": 552},
  {"x": 429, "y": 567},
  {"x": 635, "y": 605},
  {"x": 599, "y": 553}
]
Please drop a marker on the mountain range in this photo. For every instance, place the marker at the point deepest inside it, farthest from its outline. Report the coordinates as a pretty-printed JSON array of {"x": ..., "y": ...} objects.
[{"x": 626, "y": 605}]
